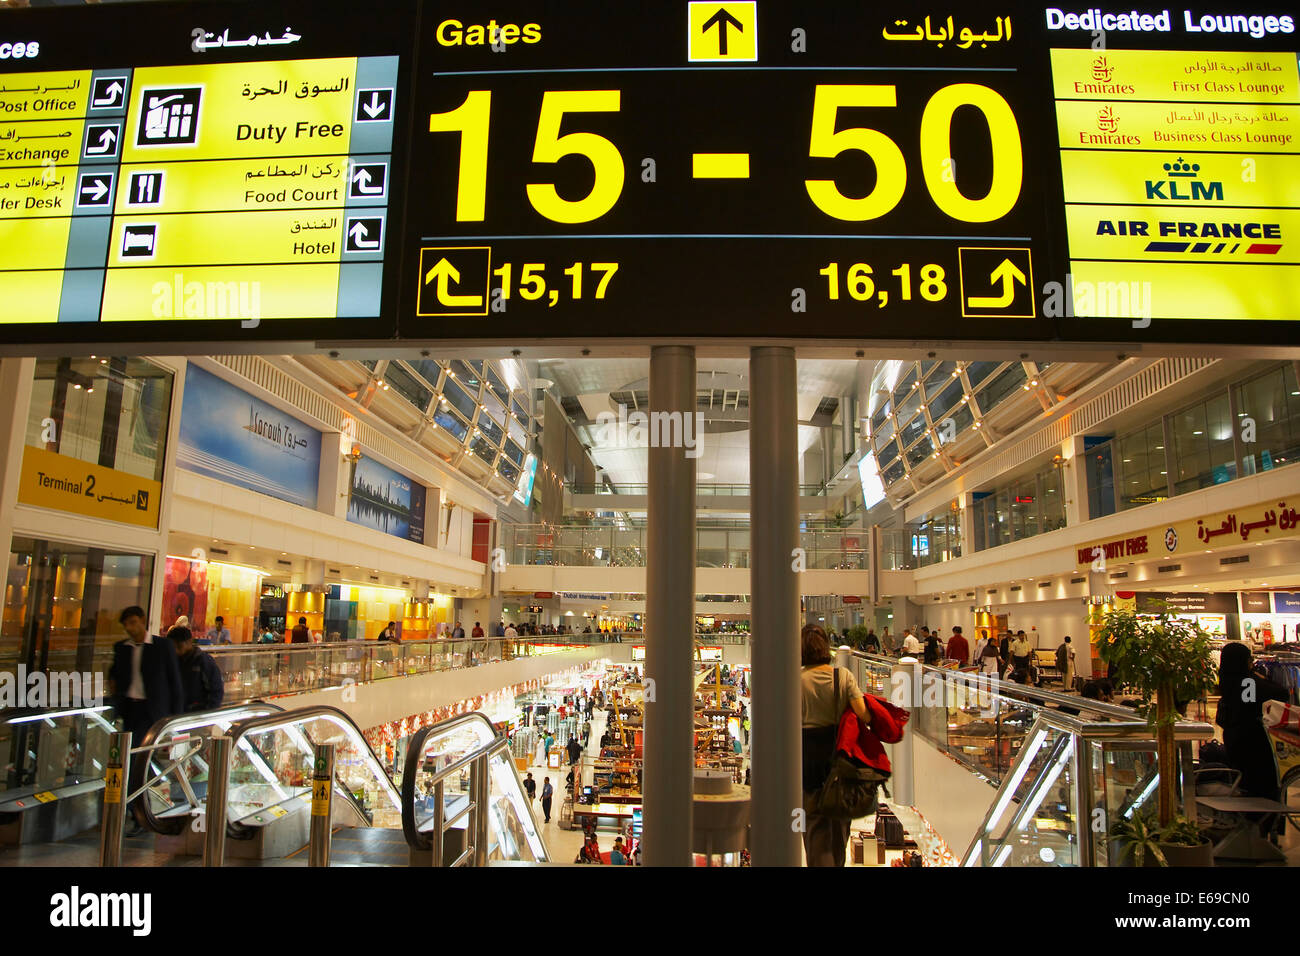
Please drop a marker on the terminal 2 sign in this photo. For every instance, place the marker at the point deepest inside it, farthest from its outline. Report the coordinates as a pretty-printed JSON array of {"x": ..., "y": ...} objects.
[{"x": 568, "y": 169}]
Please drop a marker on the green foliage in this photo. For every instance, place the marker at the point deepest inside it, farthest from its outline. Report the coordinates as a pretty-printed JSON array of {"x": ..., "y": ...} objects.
[
  {"x": 1158, "y": 655},
  {"x": 1140, "y": 835},
  {"x": 856, "y": 637}
]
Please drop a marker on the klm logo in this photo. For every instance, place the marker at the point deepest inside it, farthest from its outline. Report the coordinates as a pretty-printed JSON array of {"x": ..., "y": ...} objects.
[{"x": 1183, "y": 184}]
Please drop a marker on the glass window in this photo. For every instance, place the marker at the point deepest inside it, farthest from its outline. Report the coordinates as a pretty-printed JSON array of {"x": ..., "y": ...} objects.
[
  {"x": 887, "y": 454},
  {"x": 919, "y": 452},
  {"x": 495, "y": 383},
  {"x": 976, "y": 372},
  {"x": 1272, "y": 403},
  {"x": 109, "y": 411},
  {"x": 495, "y": 408},
  {"x": 893, "y": 472},
  {"x": 427, "y": 369},
  {"x": 884, "y": 433},
  {"x": 408, "y": 386},
  {"x": 925, "y": 368},
  {"x": 468, "y": 377},
  {"x": 940, "y": 377},
  {"x": 914, "y": 430},
  {"x": 963, "y": 418},
  {"x": 490, "y": 429},
  {"x": 508, "y": 470},
  {"x": 1101, "y": 480},
  {"x": 905, "y": 383},
  {"x": 1203, "y": 450},
  {"x": 484, "y": 450},
  {"x": 1142, "y": 467},
  {"x": 1006, "y": 382},
  {"x": 459, "y": 399},
  {"x": 946, "y": 399},
  {"x": 880, "y": 416},
  {"x": 909, "y": 407},
  {"x": 519, "y": 411},
  {"x": 446, "y": 419},
  {"x": 517, "y": 431},
  {"x": 1053, "y": 500},
  {"x": 370, "y": 363},
  {"x": 515, "y": 453}
]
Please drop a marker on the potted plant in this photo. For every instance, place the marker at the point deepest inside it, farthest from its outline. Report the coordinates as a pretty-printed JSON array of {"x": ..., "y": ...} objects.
[
  {"x": 1165, "y": 660},
  {"x": 1140, "y": 841}
]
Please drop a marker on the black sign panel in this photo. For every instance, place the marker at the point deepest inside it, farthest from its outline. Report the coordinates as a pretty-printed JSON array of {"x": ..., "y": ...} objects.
[
  {"x": 737, "y": 169},
  {"x": 1153, "y": 602}
]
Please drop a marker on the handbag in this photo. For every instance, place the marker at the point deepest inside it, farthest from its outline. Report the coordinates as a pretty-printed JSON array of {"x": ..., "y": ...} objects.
[{"x": 850, "y": 790}]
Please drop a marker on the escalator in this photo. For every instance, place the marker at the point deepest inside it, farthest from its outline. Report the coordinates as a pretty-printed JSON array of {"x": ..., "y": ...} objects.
[{"x": 483, "y": 817}]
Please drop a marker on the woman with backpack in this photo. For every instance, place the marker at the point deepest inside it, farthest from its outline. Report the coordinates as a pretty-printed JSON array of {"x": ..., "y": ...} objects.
[{"x": 827, "y": 691}]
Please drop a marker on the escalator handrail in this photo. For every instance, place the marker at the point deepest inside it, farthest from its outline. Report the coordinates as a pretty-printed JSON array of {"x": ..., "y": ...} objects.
[
  {"x": 177, "y": 824},
  {"x": 301, "y": 714},
  {"x": 415, "y": 838}
]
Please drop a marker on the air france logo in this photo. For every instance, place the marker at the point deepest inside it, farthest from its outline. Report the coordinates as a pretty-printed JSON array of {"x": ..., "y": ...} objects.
[{"x": 75, "y": 909}]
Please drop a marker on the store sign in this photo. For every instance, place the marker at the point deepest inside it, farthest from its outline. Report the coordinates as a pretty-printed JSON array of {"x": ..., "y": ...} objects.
[
  {"x": 1256, "y": 602},
  {"x": 386, "y": 501},
  {"x": 587, "y": 170},
  {"x": 543, "y": 595},
  {"x": 1268, "y": 521},
  {"x": 1286, "y": 602},
  {"x": 51, "y": 480},
  {"x": 198, "y": 171},
  {"x": 851, "y": 599},
  {"x": 229, "y": 435},
  {"x": 1186, "y": 602}
]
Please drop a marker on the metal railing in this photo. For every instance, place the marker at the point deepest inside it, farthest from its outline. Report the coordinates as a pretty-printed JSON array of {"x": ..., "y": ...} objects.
[
  {"x": 720, "y": 490},
  {"x": 1056, "y": 763}
]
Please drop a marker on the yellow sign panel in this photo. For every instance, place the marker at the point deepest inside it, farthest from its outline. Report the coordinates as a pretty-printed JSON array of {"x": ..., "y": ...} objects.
[
  {"x": 288, "y": 236},
  {"x": 1179, "y": 177},
  {"x": 35, "y": 243},
  {"x": 1268, "y": 521},
  {"x": 48, "y": 190},
  {"x": 1210, "y": 236},
  {"x": 40, "y": 141},
  {"x": 723, "y": 31},
  {"x": 1230, "y": 127},
  {"x": 51, "y": 480},
  {"x": 320, "y": 798},
  {"x": 30, "y": 296},
  {"x": 1184, "y": 77},
  {"x": 1180, "y": 290},
  {"x": 34, "y": 96},
  {"x": 221, "y": 292},
  {"x": 228, "y": 185},
  {"x": 225, "y": 110},
  {"x": 112, "y": 784},
  {"x": 45, "y": 796}
]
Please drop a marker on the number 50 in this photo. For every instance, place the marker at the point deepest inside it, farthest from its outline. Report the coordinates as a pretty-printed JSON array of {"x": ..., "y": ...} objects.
[{"x": 936, "y": 138}]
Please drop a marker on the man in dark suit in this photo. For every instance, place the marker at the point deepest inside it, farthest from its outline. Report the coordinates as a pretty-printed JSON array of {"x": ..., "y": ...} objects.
[{"x": 146, "y": 681}]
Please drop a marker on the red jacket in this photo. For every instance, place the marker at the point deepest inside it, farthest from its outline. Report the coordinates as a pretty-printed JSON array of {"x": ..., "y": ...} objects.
[
  {"x": 958, "y": 649},
  {"x": 863, "y": 742}
]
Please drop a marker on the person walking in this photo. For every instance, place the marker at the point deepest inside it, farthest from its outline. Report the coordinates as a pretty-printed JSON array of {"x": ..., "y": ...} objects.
[
  {"x": 145, "y": 681},
  {"x": 990, "y": 661},
  {"x": 958, "y": 649},
  {"x": 1020, "y": 653},
  {"x": 300, "y": 633},
  {"x": 933, "y": 653},
  {"x": 530, "y": 788},
  {"x": 477, "y": 632},
  {"x": 202, "y": 684},
  {"x": 574, "y": 750},
  {"x": 459, "y": 633},
  {"x": 872, "y": 644},
  {"x": 1065, "y": 662},
  {"x": 827, "y": 691},
  {"x": 547, "y": 793},
  {"x": 911, "y": 646}
]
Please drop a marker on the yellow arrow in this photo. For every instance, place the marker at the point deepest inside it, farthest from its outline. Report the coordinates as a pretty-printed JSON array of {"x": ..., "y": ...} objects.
[
  {"x": 1008, "y": 275},
  {"x": 446, "y": 273}
]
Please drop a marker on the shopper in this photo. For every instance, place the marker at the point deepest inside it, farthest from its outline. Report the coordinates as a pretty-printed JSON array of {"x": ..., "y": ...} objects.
[
  {"x": 145, "y": 681},
  {"x": 1004, "y": 646},
  {"x": 1065, "y": 662},
  {"x": 477, "y": 632},
  {"x": 616, "y": 855},
  {"x": 500, "y": 630},
  {"x": 1020, "y": 654},
  {"x": 1246, "y": 742},
  {"x": 958, "y": 649},
  {"x": 872, "y": 644},
  {"x": 300, "y": 633},
  {"x": 389, "y": 633},
  {"x": 510, "y": 631},
  {"x": 547, "y": 793},
  {"x": 530, "y": 787},
  {"x": 887, "y": 643},
  {"x": 459, "y": 633},
  {"x": 202, "y": 685},
  {"x": 574, "y": 750},
  {"x": 933, "y": 653},
  {"x": 910, "y": 644},
  {"x": 218, "y": 633},
  {"x": 825, "y": 839},
  {"x": 990, "y": 661}
]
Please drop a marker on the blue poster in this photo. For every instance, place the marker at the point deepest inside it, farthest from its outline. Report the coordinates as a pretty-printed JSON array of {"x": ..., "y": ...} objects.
[
  {"x": 386, "y": 501},
  {"x": 229, "y": 435},
  {"x": 1286, "y": 602}
]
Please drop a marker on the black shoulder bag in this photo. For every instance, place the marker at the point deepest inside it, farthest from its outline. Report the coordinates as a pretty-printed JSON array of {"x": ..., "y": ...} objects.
[{"x": 851, "y": 789}]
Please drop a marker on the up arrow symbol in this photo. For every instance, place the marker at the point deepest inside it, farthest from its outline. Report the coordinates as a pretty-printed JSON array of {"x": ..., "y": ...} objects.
[{"x": 721, "y": 20}]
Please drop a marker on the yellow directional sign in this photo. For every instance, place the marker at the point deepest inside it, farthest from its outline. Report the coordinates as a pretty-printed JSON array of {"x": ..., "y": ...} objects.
[
  {"x": 723, "y": 31},
  {"x": 320, "y": 798},
  {"x": 454, "y": 280},
  {"x": 112, "y": 784},
  {"x": 996, "y": 281}
]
